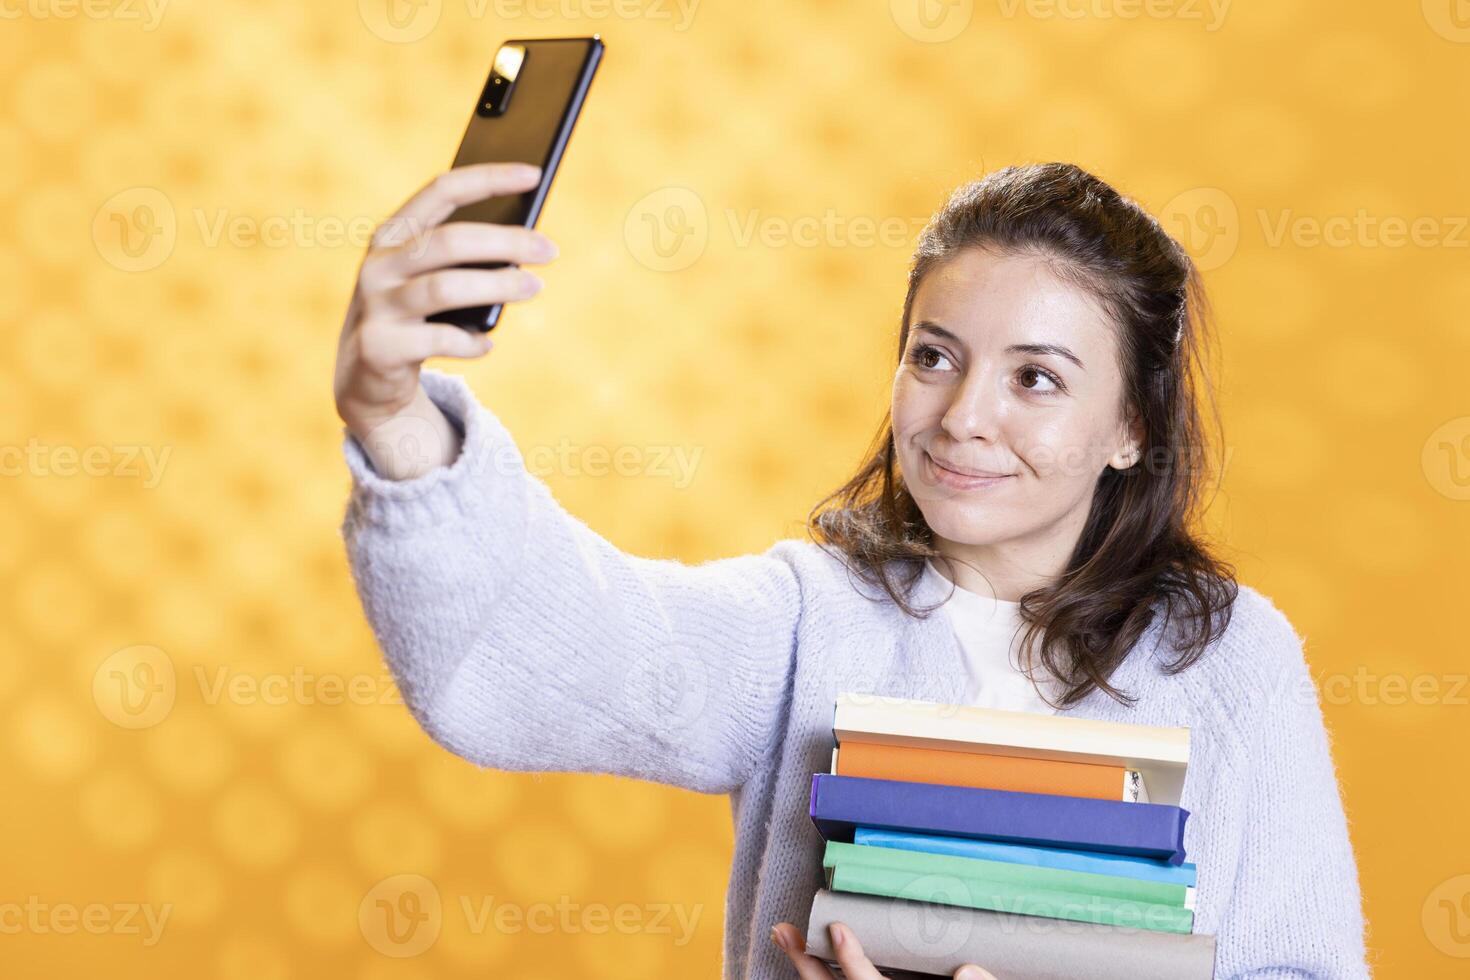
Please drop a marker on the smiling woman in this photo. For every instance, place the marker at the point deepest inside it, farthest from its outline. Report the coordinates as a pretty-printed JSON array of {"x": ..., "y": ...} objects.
[
  {"x": 1040, "y": 446},
  {"x": 1052, "y": 340}
]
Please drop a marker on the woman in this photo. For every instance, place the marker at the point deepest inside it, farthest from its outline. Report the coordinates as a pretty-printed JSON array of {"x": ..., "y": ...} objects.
[{"x": 1039, "y": 465}]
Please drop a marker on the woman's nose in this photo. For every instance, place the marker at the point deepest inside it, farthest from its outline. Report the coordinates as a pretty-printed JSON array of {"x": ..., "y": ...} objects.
[{"x": 975, "y": 411}]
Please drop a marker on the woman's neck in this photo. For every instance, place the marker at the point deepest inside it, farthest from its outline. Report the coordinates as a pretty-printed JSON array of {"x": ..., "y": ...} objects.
[{"x": 996, "y": 571}]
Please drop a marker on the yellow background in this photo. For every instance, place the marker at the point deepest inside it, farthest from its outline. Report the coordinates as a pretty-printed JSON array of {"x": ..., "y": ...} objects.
[{"x": 267, "y": 826}]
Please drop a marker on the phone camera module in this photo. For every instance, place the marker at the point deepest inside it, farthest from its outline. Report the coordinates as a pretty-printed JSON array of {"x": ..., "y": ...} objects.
[{"x": 507, "y": 68}]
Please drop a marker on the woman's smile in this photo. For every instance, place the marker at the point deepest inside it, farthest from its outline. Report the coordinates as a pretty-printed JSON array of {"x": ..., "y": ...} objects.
[{"x": 939, "y": 473}]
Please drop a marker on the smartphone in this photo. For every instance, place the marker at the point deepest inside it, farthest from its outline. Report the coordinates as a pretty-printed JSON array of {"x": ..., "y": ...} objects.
[{"x": 524, "y": 114}]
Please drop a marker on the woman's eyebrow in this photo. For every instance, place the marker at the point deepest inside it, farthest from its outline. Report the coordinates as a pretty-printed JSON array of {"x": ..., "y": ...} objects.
[
  {"x": 1043, "y": 349},
  {"x": 1033, "y": 349}
]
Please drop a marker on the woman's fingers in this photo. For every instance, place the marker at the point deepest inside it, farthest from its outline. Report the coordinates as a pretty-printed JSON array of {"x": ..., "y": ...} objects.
[
  {"x": 385, "y": 348},
  {"x": 850, "y": 956},
  {"x": 449, "y": 190},
  {"x": 453, "y": 289},
  {"x": 793, "y": 944},
  {"x": 456, "y": 243},
  {"x": 972, "y": 972},
  {"x": 425, "y": 340}
]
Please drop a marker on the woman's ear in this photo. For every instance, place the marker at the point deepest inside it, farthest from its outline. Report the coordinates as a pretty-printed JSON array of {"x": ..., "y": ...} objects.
[
  {"x": 1124, "y": 458},
  {"x": 1131, "y": 450}
]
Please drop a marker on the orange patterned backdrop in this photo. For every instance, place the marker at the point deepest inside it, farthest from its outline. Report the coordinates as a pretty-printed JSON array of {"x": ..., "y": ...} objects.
[{"x": 207, "y": 772}]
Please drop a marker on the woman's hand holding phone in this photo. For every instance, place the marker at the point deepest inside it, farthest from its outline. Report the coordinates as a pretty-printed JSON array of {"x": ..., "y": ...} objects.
[{"x": 407, "y": 274}]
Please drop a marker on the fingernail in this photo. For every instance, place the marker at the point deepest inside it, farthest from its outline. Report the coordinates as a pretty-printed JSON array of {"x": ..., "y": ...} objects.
[
  {"x": 547, "y": 249},
  {"x": 838, "y": 935},
  {"x": 529, "y": 170},
  {"x": 533, "y": 282},
  {"x": 968, "y": 972},
  {"x": 776, "y": 937}
]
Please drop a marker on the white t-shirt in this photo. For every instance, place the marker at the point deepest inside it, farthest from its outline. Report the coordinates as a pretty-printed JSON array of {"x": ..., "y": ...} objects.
[{"x": 988, "y": 631}]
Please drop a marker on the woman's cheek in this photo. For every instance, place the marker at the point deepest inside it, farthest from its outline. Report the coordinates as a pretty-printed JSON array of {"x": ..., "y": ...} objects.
[{"x": 1050, "y": 450}]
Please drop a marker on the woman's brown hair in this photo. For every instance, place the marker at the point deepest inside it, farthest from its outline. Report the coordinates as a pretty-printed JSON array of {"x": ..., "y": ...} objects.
[{"x": 1137, "y": 552}]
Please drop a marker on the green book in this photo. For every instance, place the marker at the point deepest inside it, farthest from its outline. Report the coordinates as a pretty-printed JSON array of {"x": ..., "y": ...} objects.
[
  {"x": 1085, "y": 883},
  {"x": 1005, "y": 887}
]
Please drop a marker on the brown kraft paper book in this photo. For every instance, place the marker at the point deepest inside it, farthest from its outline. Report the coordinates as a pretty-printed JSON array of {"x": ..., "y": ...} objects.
[{"x": 936, "y": 940}]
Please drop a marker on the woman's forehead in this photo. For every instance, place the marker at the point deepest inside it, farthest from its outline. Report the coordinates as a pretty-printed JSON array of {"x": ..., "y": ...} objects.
[{"x": 983, "y": 299}]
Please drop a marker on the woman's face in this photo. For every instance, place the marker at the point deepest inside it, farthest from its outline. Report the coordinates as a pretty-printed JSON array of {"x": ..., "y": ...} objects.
[{"x": 1010, "y": 375}]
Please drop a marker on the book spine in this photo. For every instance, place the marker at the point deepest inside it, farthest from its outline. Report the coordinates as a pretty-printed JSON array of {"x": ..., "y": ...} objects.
[
  {"x": 1006, "y": 897},
  {"x": 1047, "y": 857},
  {"x": 966, "y": 725},
  {"x": 1160, "y": 755},
  {"x": 936, "y": 940},
  {"x": 839, "y": 804},
  {"x": 983, "y": 771},
  {"x": 1030, "y": 877}
]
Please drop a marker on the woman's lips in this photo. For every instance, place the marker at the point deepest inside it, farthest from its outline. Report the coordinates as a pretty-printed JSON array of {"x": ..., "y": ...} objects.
[{"x": 959, "y": 481}]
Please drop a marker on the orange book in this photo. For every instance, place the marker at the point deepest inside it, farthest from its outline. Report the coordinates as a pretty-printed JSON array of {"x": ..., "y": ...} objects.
[{"x": 912, "y": 764}]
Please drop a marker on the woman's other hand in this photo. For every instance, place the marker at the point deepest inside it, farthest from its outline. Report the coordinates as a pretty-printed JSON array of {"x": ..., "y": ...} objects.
[{"x": 850, "y": 956}]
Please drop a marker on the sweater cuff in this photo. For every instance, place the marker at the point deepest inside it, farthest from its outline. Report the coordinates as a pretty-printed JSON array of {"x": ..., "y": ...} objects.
[{"x": 486, "y": 478}]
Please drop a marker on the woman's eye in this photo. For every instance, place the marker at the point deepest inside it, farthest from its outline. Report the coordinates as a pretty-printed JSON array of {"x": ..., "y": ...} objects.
[
  {"x": 928, "y": 357},
  {"x": 1039, "y": 381}
]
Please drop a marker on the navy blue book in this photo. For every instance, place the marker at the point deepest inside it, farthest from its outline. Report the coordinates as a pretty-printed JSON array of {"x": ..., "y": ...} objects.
[{"x": 840, "y": 804}]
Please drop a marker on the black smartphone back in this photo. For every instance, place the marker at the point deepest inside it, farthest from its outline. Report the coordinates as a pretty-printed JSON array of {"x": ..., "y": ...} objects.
[{"x": 525, "y": 114}]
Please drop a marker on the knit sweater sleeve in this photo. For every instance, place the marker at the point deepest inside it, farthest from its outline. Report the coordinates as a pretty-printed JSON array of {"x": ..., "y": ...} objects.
[
  {"x": 521, "y": 639},
  {"x": 1296, "y": 910}
]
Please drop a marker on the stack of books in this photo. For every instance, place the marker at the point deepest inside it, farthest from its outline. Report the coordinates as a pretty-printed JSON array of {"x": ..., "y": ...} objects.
[{"x": 1037, "y": 846}]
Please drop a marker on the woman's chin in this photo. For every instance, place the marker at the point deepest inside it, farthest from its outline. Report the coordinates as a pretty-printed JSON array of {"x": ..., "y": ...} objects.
[{"x": 968, "y": 525}]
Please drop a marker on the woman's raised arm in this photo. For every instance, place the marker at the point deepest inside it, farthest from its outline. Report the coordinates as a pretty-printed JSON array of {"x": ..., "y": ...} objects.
[{"x": 522, "y": 639}]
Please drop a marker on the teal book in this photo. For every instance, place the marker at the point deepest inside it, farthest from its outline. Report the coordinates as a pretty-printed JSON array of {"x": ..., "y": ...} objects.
[
  {"x": 1096, "y": 862},
  {"x": 1007, "y": 887}
]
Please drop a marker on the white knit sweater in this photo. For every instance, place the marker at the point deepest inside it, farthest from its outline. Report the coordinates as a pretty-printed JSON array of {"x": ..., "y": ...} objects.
[{"x": 523, "y": 640}]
